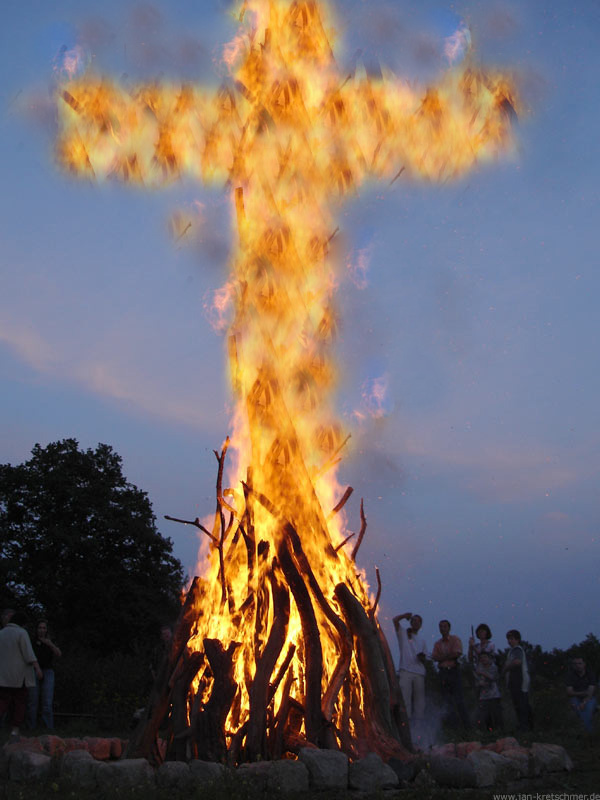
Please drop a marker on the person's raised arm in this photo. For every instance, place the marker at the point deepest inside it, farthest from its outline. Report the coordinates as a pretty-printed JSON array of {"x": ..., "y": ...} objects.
[{"x": 398, "y": 617}]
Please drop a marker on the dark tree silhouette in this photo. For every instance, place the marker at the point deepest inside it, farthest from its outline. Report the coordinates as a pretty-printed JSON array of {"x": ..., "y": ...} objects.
[{"x": 80, "y": 544}]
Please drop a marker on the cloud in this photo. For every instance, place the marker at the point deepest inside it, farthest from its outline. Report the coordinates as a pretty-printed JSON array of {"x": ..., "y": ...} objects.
[
  {"x": 492, "y": 468},
  {"x": 114, "y": 366}
]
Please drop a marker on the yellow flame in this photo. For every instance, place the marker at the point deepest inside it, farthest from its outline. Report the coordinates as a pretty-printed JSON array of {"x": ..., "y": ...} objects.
[{"x": 291, "y": 136}]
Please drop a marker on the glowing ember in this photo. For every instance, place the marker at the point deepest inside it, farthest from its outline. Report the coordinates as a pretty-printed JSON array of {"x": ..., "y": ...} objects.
[{"x": 290, "y": 136}]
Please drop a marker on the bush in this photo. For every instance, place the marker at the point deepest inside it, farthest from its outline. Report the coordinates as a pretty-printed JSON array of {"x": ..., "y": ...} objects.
[{"x": 111, "y": 687}]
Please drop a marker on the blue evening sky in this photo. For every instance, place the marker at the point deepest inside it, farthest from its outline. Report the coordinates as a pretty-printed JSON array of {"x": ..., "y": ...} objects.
[{"x": 475, "y": 301}]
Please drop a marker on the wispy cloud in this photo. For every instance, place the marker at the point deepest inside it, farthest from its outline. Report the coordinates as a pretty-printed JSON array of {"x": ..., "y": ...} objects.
[
  {"x": 489, "y": 467},
  {"x": 114, "y": 367}
]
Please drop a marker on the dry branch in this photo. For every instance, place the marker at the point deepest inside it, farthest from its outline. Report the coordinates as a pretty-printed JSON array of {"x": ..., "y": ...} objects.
[
  {"x": 342, "y": 502},
  {"x": 196, "y": 523},
  {"x": 377, "y": 596},
  {"x": 345, "y": 541},
  {"x": 265, "y": 664},
  {"x": 381, "y": 732},
  {"x": 220, "y": 518},
  {"x": 363, "y": 528},
  {"x": 210, "y": 722}
]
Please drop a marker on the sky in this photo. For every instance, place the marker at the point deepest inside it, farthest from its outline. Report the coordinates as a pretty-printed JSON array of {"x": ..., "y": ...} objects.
[{"x": 474, "y": 303}]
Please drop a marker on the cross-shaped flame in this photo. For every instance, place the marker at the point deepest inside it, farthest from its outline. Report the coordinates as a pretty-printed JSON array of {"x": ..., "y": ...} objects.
[{"x": 291, "y": 136}]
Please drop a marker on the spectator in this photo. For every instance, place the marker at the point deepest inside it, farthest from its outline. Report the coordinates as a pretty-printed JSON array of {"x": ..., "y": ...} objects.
[
  {"x": 581, "y": 685},
  {"x": 46, "y": 651},
  {"x": 18, "y": 665},
  {"x": 484, "y": 644},
  {"x": 411, "y": 667},
  {"x": 489, "y": 706},
  {"x": 447, "y": 652},
  {"x": 517, "y": 679}
]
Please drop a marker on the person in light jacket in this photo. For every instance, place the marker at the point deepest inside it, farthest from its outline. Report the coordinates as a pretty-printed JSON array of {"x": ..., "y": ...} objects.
[{"x": 18, "y": 668}]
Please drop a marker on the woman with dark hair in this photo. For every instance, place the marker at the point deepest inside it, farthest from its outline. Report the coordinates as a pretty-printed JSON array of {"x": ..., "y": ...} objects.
[
  {"x": 484, "y": 645},
  {"x": 46, "y": 651}
]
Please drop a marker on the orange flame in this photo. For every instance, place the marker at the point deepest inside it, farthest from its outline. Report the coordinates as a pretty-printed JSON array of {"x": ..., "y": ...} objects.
[{"x": 292, "y": 137}]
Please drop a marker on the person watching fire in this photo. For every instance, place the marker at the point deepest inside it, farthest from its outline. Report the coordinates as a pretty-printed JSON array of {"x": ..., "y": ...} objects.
[
  {"x": 581, "y": 686},
  {"x": 446, "y": 652},
  {"x": 411, "y": 667}
]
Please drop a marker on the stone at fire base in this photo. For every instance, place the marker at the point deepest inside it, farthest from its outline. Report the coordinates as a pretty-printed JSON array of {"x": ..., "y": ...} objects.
[
  {"x": 52, "y": 745},
  {"x": 371, "y": 773},
  {"x": 550, "y": 757},
  {"x": 175, "y": 775},
  {"x": 405, "y": 770},
  {"x": 27, "y": 766},
  {"x": 99, "y": 748},
  {"x": 206, "y": 772},
  {"x": 253, "y": 774},
  {"x": 456, "y": 773},
  {"x": 81, "y": 768},
  {"x": 522, "y": 759},
  {"x": 128, "y": 772},
  {"x": 287, "y": 776},
  {"x": 491, "y": 767},
  {"x": 327, "y": 769}
]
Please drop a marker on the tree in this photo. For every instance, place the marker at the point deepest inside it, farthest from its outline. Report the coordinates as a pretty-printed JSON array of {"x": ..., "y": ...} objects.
[{"x": 79, "y": 543}]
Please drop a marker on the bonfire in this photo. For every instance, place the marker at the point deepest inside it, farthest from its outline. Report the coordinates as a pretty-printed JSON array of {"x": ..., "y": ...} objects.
[{"x": 278, "y": 645}]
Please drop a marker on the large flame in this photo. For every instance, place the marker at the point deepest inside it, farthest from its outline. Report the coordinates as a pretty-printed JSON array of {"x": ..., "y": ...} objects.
[{"x": 291, "y": 136}]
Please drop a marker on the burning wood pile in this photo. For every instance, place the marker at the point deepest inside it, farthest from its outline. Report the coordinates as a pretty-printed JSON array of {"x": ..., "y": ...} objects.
[
  {"x": 278, "y": 644},
  {"x": 326, "y": 679}
]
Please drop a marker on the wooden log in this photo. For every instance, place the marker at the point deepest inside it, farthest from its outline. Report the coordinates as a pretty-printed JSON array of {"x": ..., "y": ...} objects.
[
  {"x": 344, "y": 637},
  {"x": 219, "y": 523},
  {"x": 280, "y": 723},
  {"x": 210, "y": 723},
  {"x": 235, "y": 745},
  {"x": 256, "y": 740},
  {"x": 346, "y": 702},
  {"x": 143, "y": 743},
  {"x": 247, "y": 528},
  {"x": 382, "y": 736},
  {"x": 398, "y": 709},
  {"x": 186, "y": 671},
  {"x": 338, "y": 507},
  {"x": 363, "y": 530},
  {"x": 312, "y": 644},
  {"x": 281, "y": 672},
  {"x": 262, "y": 598}
]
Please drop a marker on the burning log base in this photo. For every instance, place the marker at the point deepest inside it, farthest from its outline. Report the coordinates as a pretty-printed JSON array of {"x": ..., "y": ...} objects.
[
  {"x": 279, "y": 646},
  {"x": 291, "y": 701}
]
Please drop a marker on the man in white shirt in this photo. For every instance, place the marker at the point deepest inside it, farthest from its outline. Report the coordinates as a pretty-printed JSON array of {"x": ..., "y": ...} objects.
[{"x": 411, "y": 668}]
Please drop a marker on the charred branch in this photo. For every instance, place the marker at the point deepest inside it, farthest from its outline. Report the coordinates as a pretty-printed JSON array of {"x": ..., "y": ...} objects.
[
  {"x": 197, "y": 524},
  {"x": 377, "y": 596},
  {"x": 342, "y": 502},
  {"x": 256, "y": 740},
  {"x": 210, "y": 722},
  {"x": 276, "y": 743},
  {"x": 186, "y": 671},
  {"x": 345, "y": 541},
  {"x": 220, "y": 518},
  {"x": 312, "y": 643},
  {"x": 363, "y": 529},
  {"x": 381, "y": 732}
]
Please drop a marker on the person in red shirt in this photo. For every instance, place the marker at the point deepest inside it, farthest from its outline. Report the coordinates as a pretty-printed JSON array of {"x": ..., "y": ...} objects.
[{"x": 446, "y": 653}]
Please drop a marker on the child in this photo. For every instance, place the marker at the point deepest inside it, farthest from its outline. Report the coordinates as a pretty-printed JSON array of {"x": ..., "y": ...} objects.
[
  {"x": 489, "y": 707},
  {"x": 517, "y": 679}
]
